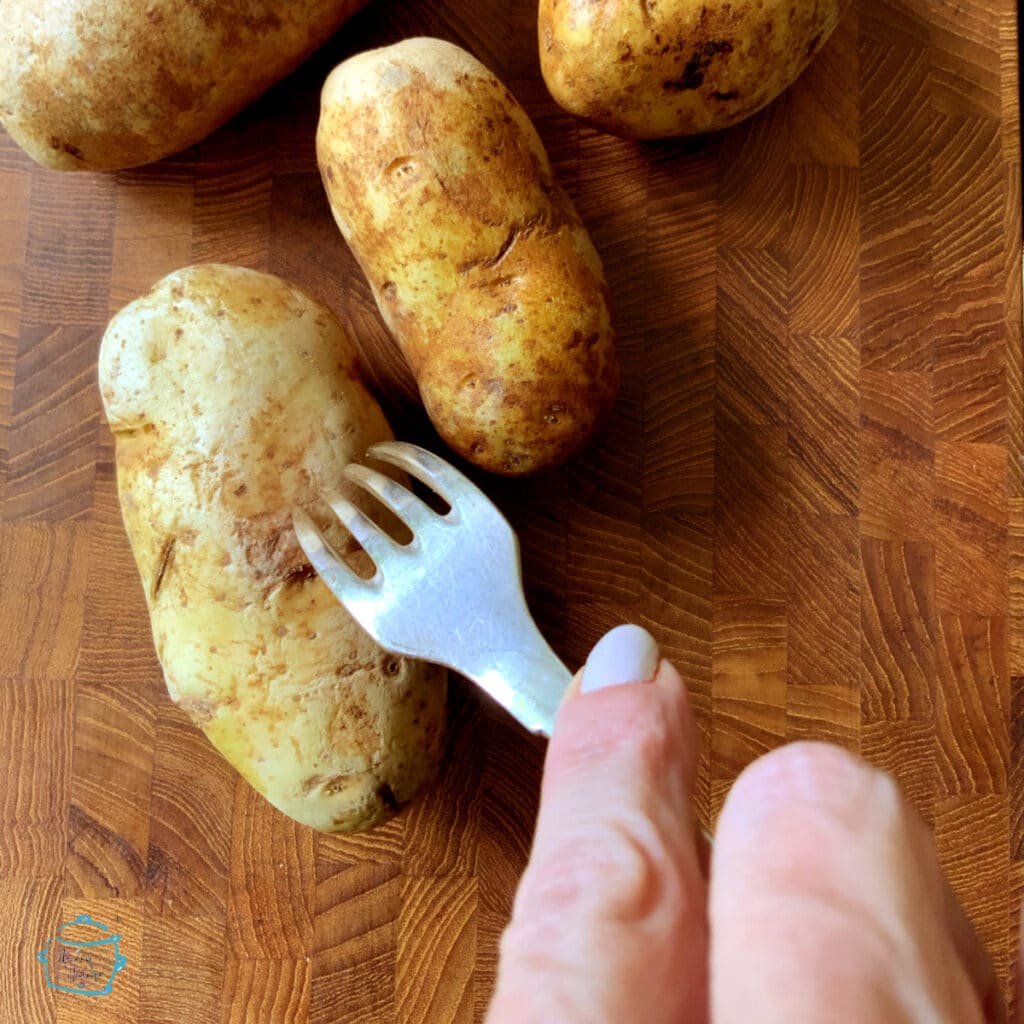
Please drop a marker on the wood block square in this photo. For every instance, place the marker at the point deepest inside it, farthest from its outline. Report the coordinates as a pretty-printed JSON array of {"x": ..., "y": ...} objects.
[
  {"x": 972, "y": 706},
  {"x": 754, "y": 178},
  {"x": 971, "y": 530},
  {"x": 29, "y": 917},
  {"x": 748, "y": 695},
  {"x": 43, "y": 567},
  {"x": 273, "y": 882},
  {"x": 679, "y": 423},
  {"x": 824, "y": 249},
  {"x": 897, "y": 320},
  {"x": 108, "y": 823},
  {"x": 68, "y": 250},
  {"x": 1016, "y": 779},
  {"x": 823, "y": 425},
  {"x": 970, "y": 838},
  {"x": 15, "y": 187},
  {"x": 824, "y": 600},
  {"x": 266, "y": 991},
  {"x": 436, "y": 950},
  {"x": 188, "y": 869},
  {"x": 897, "y": 459},
  {"x": 905, "y": 748},
  {"x": 751, "y": 355},
  {"x": 355, "y": 941},
  {"x": 122, "y": 918},
  {"x": 51, "y": 439},
  {"x": 899, "y": 626},
  {"x": 152, "y": 232},
  {"x": 36, "y": 737},
  {"x": 751, "y": 509},
  {"x": 823, "y": 111},
  {"x": 828, "y": 713},
  {"x": 182, "y": 970}
]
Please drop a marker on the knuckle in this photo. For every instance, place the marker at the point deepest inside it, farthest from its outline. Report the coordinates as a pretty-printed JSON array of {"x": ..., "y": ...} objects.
[{"x": 621, "y": 875}]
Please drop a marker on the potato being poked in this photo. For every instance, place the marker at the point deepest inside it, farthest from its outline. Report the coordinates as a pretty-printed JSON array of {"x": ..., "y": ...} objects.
[
  {"x": 676, "y": 67},
  {"x": 234, "y": 397},
  {"x": 478, "y": 261}
]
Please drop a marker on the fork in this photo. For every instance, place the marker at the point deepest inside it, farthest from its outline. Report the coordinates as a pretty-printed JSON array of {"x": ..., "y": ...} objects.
[{"x": 454, "y": 594}]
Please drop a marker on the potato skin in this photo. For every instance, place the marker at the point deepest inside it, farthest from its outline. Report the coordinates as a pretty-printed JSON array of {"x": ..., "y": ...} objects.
[
  {"x": 478, "y": 261},
  {"x": 233, "y": 397},
  {"x": 650, "y": 69},
  {"x": 104, "y": 84}
]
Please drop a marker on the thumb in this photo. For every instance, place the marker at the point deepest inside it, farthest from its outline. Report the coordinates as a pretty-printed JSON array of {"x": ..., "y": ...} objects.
[{"x": 609, "y": 921}]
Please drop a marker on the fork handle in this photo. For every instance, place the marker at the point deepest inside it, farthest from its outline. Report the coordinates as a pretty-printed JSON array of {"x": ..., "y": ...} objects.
[{"x": 529, "y": 682}]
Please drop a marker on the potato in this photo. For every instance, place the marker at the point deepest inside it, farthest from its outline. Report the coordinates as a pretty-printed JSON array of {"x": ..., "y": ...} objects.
[
  {"x": 233, "y": 397},
  {"x": 101, "y": 84},
  {"x": 477, "y": 259},
  {"x": 676, "y": 67}
]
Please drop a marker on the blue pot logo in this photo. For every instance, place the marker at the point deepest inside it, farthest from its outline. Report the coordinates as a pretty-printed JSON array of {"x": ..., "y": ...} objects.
[{"x": 82, "y": 958}]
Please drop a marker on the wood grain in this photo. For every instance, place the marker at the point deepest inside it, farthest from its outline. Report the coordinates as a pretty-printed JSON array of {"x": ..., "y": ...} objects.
[
  {"x": 811, "y": 491},
  {"x": 29, "y": 908},
  {"x": 266, "y": 991},
  {"x": 125, "y": 918}
]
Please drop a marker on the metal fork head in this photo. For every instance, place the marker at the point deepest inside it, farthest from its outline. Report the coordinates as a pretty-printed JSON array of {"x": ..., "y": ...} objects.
[{"x": 453, "y": 594}]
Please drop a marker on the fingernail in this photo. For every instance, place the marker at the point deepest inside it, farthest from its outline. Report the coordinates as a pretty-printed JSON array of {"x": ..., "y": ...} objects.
[{"x": 626, "y": 654}]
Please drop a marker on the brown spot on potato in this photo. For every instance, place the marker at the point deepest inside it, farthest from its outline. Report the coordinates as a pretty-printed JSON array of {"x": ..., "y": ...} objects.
[
  {"x": 166, "y": 554},
  {"x": 387, "y": 797},
  {"x": 299, "y": 576},
  {"x": 311, "y": 783},
  {"x": 199, "y": 710},
  {"x": 544, "y": 222},
  {"x": 692, "y": 76},
  {"x": 404, "y": 168},
  {"x": 579, "y": 339},
  {"x": 66, "y": 147}
]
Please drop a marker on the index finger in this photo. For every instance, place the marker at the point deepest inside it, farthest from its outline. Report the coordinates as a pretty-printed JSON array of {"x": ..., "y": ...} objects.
[
  {"x": 827, "y": 902},
  {"x": 609, "y": 922}
]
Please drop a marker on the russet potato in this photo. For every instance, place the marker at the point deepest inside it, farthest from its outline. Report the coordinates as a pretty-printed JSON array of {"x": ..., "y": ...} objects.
[
  {"x": 233, "y": 397},
  {"x": 103, "y": 84},
  {"x": 478, "y": 260},
  {"x": 654, "y": 68}
]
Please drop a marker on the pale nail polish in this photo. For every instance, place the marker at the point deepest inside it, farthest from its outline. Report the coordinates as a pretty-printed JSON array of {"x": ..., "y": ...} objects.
[{"x": 626, "y": 654}]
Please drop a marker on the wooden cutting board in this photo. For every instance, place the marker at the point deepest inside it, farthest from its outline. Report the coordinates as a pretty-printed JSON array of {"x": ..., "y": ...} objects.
[{"x": 811, "y": 491}]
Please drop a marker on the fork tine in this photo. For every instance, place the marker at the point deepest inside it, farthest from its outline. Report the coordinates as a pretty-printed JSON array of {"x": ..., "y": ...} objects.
[
  {"x": 437, "y": 474},
  {"x": 373, "y": 540},
  {"x": 413, "y": 512},
  {"x": 334, "y": 572}
]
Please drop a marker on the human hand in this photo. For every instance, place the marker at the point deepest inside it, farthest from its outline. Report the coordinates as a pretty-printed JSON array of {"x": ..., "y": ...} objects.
[{"x": 826, "y": 901}]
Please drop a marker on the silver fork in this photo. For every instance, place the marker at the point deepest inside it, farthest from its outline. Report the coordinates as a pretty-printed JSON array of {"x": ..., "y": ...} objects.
[{"x": 454, "y": 595}]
